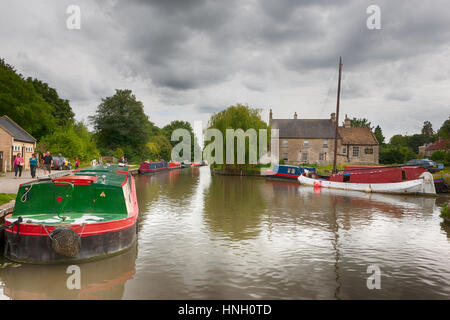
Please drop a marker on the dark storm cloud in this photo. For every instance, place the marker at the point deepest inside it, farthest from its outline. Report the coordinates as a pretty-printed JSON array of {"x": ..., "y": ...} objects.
[{"x": 205, "y": 54}]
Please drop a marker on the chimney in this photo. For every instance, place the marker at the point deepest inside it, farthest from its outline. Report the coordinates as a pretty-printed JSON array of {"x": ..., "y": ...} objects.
[
  {"x": 333, "y": 117},
  {"x": 347, "y": 123},
  {"x": 295, "y": 115},
  {"x": 270, "y": 117}
]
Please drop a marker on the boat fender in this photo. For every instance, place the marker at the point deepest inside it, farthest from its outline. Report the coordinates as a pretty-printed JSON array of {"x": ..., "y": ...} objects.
[{"x": 65, "y": 242}]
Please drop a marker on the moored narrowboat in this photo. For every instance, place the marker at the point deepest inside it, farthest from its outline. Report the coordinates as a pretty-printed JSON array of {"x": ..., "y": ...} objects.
[
  {"x": 174, "y": 165},
  {"x": 88, "y": 214},
  {"x": 286, "y": 172},
  {"x": 153, "y": 166},
  {"x": 395, "y": 180}
]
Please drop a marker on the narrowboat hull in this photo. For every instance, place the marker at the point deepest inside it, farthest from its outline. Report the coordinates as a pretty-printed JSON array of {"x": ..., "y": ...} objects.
[
  {"x": 152, "y": 171},
  {"x": 424, "y": 185},
  {"x": 38, "y": 249}
]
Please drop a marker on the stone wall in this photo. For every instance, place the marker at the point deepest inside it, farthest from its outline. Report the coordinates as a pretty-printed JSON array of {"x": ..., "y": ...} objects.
[
  {"x": 5, "y": 147},
  {"x": 321, "y": 152}
]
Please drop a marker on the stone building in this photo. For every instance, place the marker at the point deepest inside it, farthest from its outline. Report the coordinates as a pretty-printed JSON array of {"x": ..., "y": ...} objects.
[
  {"x": 311, "y": 141},
  {"x": 14, "y": 140},
  {"x": 441, "y": 145}
]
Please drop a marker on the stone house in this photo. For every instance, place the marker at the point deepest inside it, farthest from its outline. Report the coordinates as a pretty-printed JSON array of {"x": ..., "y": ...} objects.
[
  {"x": 13, "y": 140},
  {"x": 311, "y": 141},
  {"x": 427, "y": 149}
]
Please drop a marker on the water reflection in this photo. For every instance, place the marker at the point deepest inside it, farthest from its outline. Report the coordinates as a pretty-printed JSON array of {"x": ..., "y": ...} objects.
[
  {"x": 216, "y": 237},
  {"x": 103, "y": 279},
  {"x": 234, "y": 207}
]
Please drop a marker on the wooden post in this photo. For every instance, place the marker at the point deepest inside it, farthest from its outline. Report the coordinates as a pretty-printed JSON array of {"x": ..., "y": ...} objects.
[{"x": 337, "y": 116}]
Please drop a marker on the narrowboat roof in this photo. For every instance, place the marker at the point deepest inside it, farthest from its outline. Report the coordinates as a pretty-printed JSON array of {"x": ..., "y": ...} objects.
[{"x": 112, "y": 175}]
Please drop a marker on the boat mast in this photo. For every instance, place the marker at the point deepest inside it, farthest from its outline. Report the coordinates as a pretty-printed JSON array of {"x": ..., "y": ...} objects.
[{"x": 337, "y": 116}]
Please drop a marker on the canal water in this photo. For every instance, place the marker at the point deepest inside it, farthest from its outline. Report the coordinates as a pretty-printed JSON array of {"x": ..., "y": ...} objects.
[{"x": 224, "y": 237}]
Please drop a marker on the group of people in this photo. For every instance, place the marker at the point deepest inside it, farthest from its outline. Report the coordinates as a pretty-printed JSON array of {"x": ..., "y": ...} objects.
[{"x": 47, "y": 163}]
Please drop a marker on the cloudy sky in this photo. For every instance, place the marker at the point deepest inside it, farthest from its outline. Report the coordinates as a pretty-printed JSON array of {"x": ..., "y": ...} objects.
[{"x": 185, "y": 59}]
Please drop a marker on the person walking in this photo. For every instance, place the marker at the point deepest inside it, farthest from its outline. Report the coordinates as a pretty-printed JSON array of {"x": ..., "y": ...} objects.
[
  {"x": 48, "y": 161},
  {"x": 77, "y": 163},
  {"x": 33, "y": 165},
  {"x": 18, "y": 165}
]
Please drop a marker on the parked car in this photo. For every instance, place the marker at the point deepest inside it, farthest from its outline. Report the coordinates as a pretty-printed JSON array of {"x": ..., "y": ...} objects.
[
  {"x": 59, "y": 163},
  {"x": 431, "y": 166}
]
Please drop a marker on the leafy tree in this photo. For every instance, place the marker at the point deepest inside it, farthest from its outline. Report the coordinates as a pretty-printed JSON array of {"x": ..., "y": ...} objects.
[
  {"x": 238, "y": 117},
  {"x": 120, "y": 121},
  {"x": 398, "y": 140},
  {"x": 395, "y": 154},
  {"x": 159, "y": 147},
  {"x": 177, "y": 124},
  {"x": 417, "y": 140},
  {"x": 444, "y": 130},
  {"x": 62, "y": 111},
  {"x": 71, "y": 141},
  {"x": 360, "y": 122},
  {"x": 427, "y": 129},
  {"x": 20, "y": 101},
  {"x": 378, "y": 133}
]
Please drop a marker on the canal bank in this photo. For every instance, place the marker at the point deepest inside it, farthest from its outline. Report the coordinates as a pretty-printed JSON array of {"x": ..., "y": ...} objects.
[{"x": 204, "y": 236}]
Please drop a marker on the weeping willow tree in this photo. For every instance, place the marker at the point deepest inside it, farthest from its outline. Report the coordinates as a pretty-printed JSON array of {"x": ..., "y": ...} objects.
[{"x": 243, "y": 142}]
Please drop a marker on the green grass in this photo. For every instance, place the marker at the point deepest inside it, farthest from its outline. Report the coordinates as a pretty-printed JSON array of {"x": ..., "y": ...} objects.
[
  {"x": 7, "y": 197},
  {"x": 444, "y": 211}
]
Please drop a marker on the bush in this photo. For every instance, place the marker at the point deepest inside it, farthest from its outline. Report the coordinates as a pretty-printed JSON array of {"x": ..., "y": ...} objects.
[{"x": 444, "y": 211}]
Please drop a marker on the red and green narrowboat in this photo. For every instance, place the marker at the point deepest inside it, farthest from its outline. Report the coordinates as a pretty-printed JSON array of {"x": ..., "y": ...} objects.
[{"x": 89, "y": 214}]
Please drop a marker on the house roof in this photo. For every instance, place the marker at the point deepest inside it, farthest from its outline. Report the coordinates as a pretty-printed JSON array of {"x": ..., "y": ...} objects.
[
  {"x": 15, "y": 130},
  {"x": 438, "y": 145},
  {"x": 357, "y": 135},
  {"x": 305, "y": 128}
]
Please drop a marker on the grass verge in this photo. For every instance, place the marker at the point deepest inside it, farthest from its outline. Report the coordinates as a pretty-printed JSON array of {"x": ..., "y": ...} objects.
[{"x": 6, "y": 197}]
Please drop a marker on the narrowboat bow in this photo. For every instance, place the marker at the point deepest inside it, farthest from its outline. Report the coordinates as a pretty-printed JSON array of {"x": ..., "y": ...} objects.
[{"x": 89, "y": 214}]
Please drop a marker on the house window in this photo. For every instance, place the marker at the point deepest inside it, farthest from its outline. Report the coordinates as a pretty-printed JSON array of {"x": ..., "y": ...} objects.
[
  {"x": 356, "y": 151},
  {"x": 285, "y": 143},
  {"x": 325, "y": 144},
  {"x": 304, "y": 156},
  {"x": 285, "y": 156},
  {"x": 306, "y": 143},
  {"x": 323, "y": 156},
  {"x": 344, "y": 150},
  {"x": 29, "y": 149},
  {"x": 368, "y": 151},
  {"x": 16, "y": 148}
]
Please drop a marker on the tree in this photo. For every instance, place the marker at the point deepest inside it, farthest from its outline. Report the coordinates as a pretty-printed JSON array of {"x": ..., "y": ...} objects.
[
  {"x": 444, "y": 130},
  {"x": 427, "y": 129},
  {"x": 159, "y": 147},
  {"x": 62, "y": 111},
  {"x": 238, "y": 117},
  {"x": 395, "y": 154},
  {"x": 398, "y": 140},
  {"x": 360, "y": 122},
  {"x": 71, "y": 141},
  {"x": 20, "y": 102},
  {"x": 379, "y": 135},
  {"x": 177, "y": 124},
  {"x": 120, "y": 121}
]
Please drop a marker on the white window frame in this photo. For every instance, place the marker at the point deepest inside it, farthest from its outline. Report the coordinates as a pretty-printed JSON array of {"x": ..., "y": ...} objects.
[
  {"x": 325, "y": 144},
  {"x": 355, "y": 154},
  {"x": 285, "y": 143},
  {"x": 306, "y": 143}
]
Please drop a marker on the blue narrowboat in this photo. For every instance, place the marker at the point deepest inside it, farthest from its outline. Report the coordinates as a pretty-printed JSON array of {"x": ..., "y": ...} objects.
[
  {"x": 287, "y": 172},
  {"x": 153, "y": 166}
]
